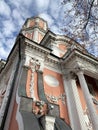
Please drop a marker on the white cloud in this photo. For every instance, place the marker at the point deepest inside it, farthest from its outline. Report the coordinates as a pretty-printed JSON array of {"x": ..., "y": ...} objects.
[
  {"x": 17, "y": 17},
  {"x": 10, "y": 42},
  {"x": 1, "y": 35},
  {"x": 48, "y": 18},
  {"x": 5, "y": 46},
  {"x": 23, "y": 7},
  {"x": 26, "y": 2},
  {"x": 55, "y": 29},
  {"x": 17, "y": 11},
  {"x": 19, "y": 3},
  {"x": 14, "y": 13},
  {"x": 8, "y": 28},
  {"x": 51, "y": 22},
  {"x": 3, "y": 52},
  {"x": 55, "y": 8},
  {"x": 42, "y": 4},
  {"x": 4, "y": 9}
]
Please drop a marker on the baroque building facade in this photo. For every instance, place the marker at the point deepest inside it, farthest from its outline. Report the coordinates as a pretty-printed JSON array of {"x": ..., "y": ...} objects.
[{"x": 48, "y": 82}]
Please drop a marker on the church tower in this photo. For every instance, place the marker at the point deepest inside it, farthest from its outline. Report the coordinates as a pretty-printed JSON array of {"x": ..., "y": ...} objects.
[
  {"x": 35, "y": 29},
  {"x": 49, "y": 82}
]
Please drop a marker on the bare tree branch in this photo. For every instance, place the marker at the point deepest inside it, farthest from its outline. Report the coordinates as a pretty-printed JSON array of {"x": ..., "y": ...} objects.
[
  {"x": 89, "y": 14},
  {"x": 81, "y": 22}
]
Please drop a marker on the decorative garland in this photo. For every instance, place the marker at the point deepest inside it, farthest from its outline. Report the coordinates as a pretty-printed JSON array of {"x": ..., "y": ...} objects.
[{"x": 55, "y": 99}]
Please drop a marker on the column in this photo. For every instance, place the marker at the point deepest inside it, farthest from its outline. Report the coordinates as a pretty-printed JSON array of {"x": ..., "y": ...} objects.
[
  {"x": 74, "y": 105},
  {"x": 90, "y": 105}
]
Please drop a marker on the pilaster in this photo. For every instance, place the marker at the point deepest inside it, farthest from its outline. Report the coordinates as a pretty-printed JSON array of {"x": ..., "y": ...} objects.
[{"x": 35, "y": 37}]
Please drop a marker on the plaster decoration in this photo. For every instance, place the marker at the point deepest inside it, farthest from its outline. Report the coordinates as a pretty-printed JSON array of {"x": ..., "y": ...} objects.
[
  {"x": 55, "y": 99},
  {"x": 35, "y": 65},
  {"x": 40, "y": 108},
  {"x": 51, "y": 81},
  {"x": 87, "y": 120}
]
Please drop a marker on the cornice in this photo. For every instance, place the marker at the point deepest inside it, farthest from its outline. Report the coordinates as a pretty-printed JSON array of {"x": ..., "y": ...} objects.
[
  {"x": 52, "y": 59},
  {"x": 36, "y": 46},
  {"x": 48, "y": 57},
  {"x": 47, "y": 53},
  {"x": 86, "y": 62},
  {"x": 55, "y": 37},
  {"x": 79, "y": 54},
  {"x": 87, "y": 57},
  {"x": 32, "y": 28}
]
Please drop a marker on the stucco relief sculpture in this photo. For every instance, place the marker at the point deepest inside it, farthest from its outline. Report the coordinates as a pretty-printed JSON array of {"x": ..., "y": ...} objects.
[
  {"x": 87, "y": 120},
  {"x": 34, "y": 65},
  {"x": 55, "y": 99}
]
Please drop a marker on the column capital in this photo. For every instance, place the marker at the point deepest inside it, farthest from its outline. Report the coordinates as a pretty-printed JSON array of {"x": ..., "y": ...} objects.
[
  {"x": 78, "y": 70},
  {"x": 70, "y": 75}
]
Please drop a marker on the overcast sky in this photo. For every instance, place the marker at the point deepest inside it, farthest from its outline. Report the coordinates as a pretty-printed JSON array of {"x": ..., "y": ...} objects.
[{"x": 13, "y": 14}]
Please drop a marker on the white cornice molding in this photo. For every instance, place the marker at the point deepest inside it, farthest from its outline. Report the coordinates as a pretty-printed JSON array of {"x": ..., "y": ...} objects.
[
  {"x": 85, "y": 57},
  {"x": 52, "y": 63},
  {"x": 52, "y": 59},
  {"x": 40, "y": 49},
  {"x": 78, "y": 59},
  {"x": 34, "y": 45}
]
